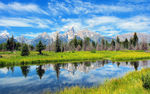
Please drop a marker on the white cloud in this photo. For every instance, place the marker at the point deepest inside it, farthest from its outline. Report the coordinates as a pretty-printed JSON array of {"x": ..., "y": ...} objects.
[
  {"x": 10, "y": 7},
  {"x": 101, "y": 20},
  {"x": 80, "y": 7},
  {"x": 31, "y": 34},
  {"x": 109, "y": 25},
  {"x": 25, "y": 22},
  {"x": 138, "y": 23},
  {"x": 14, "y": 22}
]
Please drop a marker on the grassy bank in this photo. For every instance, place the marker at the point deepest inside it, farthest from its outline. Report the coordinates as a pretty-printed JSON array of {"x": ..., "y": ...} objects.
[
  {"x": 9, "y": 58},
  {"x": 129, "y": 84}
]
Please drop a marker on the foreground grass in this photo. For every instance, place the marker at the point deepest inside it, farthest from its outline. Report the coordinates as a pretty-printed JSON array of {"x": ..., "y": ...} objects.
[
  {"x": 9, "y": 58},
  {"x": 129, "y": 84}
]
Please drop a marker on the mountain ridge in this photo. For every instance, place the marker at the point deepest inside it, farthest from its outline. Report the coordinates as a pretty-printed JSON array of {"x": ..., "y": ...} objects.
[{"x": 48, "y": 38}]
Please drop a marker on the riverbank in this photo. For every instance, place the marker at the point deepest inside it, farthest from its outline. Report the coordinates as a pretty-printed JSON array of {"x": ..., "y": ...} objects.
[
  {"x": 131, "y": 83},
  {"x": 14, "y": 58}
]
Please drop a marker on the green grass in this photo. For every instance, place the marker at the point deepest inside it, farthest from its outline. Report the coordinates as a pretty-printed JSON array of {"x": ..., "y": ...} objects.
[
  {"x": 129, "y": 84},
  {"x": 9, "y": 58}
]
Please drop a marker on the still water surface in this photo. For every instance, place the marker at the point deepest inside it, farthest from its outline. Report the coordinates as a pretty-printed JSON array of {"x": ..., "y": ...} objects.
[{"x": 36, "y": 79}]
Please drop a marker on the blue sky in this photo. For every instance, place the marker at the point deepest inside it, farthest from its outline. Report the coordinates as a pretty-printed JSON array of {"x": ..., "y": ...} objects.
[{"x": 108, "y": 17}]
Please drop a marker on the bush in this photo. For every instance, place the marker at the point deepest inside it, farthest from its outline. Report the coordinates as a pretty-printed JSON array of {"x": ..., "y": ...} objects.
[
  {"x": 93, "y": 51},
  {"x": 146, "y": 81},
  {"x": 25, "y": 50}
]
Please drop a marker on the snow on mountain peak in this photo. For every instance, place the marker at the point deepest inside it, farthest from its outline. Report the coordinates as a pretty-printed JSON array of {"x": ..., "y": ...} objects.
[{"x": 4, "y": 34}]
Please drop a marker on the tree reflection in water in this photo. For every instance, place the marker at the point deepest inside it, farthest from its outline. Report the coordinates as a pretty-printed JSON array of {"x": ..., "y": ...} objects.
[
  {"x": 40, "y": 72},
  {"x": 73, "y": 67}
]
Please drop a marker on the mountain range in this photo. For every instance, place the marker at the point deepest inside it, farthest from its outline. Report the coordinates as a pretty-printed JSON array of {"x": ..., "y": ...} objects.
[{"x": 69, "y": 35}]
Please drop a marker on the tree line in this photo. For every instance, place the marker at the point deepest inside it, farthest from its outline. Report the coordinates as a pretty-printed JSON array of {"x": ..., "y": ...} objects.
[{"x": 76, "y": 44}]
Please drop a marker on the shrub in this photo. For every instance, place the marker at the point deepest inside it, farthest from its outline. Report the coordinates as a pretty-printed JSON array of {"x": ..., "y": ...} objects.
[
  {"x": 25, "y": 50},
  {"x": 146, "y": 81},
  {"x": 93, "y": 51}
]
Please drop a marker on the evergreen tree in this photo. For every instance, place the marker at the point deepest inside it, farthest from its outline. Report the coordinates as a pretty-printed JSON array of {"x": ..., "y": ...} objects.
[
  {"x": 135, "y": 39},
  {"x": 25, "y": 50},
  {"x": 18, "y": 46},
  {"x": 94, "y": 44},
  {"x": 106, "y": 44},
  {"x": 126, "y": 43},
  {"x": 12, "y": 44},
  {"x": 118, "y": 43},
  {"x": 80, "y": 42},
  {"x": 118, "y": 40},
  {"x": 58, "y": 44},
  {"x": 40, "y": 47},
  {"x": 113, "y": 44},
  {"x": 75, "y": 42},
  {"x": 8, "y": 45},
  {"x": 102, "y": 44},
  {"x": 86, "y": 43}
]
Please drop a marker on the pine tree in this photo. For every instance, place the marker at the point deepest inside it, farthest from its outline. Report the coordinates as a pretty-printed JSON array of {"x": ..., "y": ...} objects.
[
  {"x": 118, "y": 43},
  {"x": 18, "y": 46},
  {"x": 102, "y": 44},
  {"x": 86, "y": 43},
  {"x": 25, "y": 50},
  {"x": 75, "y": 42},
  {"x": 113, "y": 44},
  {"x": 135, "y": 39},
  {"x": 94, "y": 44},
  {"x": 8, "y": 45},
  {"x": 80, "y": 42},
  {"x": 126, "y": 43},
  {"x": 106, "y": 45},
  {"x": 58, "y": 44},
  {"x": 118, "y": 40},
  {"x": 40, "y": 47},
  {"x": 12, "y": 43}
]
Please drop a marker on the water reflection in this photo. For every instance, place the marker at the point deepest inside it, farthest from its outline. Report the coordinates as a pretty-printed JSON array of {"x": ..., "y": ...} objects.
[
  {"x": 40, "y": 71},
  {"x": 25, "y": 70},
  {"x": 35, "y": 79},
  {"x": 81, "y": 66}
]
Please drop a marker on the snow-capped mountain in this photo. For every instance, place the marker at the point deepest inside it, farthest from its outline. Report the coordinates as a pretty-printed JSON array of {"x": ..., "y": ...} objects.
[
  {"x": 44, "y": 37},
  {"x": 22, "y": 39},
  {"x": 4, "y": 36},
  {"x": 48, "y": 38}
]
